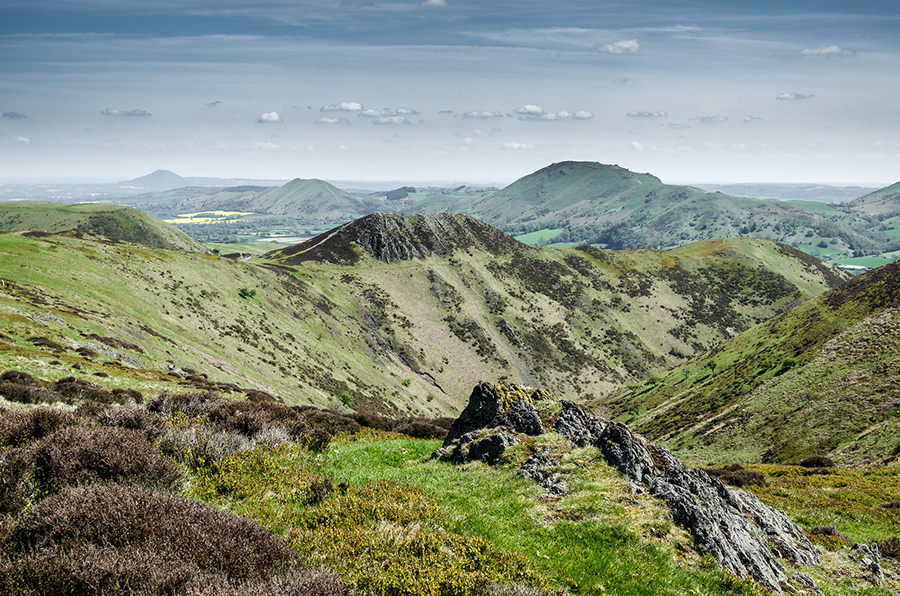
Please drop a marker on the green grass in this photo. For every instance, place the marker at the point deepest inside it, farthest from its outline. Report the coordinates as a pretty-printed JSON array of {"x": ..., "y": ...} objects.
[
  {"x": 473, "y": 523},
  {"x": 539, "y": 237},
  {"x": 813, "y": 206},
  {"x": 871, "y": 261},
  {"x": 250, "y": 248}
]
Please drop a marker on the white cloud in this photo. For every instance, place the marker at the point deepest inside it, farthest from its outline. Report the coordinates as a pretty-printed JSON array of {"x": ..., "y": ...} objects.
[
  {"x": 752, "y": 118},
  {"x": 391, "y": 120},
  {"x": 23, "y": 140},
  {"x": 370, "y": 113},
  {"x": 265, "y": 146},
  {"x": 482, "y": 115},
  {"x": 517, "y": 147},
  {"x": 269, "y": 118},
  {"x": 405, "y": 112},
  {"x": 475, "y": 133},
  {"x": 711, "y": 119},
  {"x": 535, "y": 112},
  {"x": 635, "y": 146},
  {"x": 435, "y": 3},
  {"x": 677, "y": 126},
  {"x": 344, "y": 106},
  {"x": 626, "y": 46},
  {"x": 14, "y": 115},
  {"x": 648, "y": 114},
  {"x": 327, "y": 120},
  {"x": 793, "y": 96},
  {"x": 828, "y": 51},
  {"x": 120, "y": 112}
]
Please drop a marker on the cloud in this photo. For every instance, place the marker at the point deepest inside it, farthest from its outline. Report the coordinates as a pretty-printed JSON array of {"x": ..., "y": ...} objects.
[
  {"x": 677, "y": 126},
  {"x": 406, "y": 112},
  {"x": 711, "y": 119},
  {"x": 446, "y": 112},
  {"x": 635, "y": 146},
  {"x": 475, "y": 133},
  {"x": 793, "y": 96},
  {"x": 482, "y": 115},
  {"x": 120, "y": 112},
  {"x": 752, "y": 118},
  {"x": 626, "y": 46},
  {"x": 213, "y": 104},
  {"x": 435, "y": 3},
  {"x": 23, "y": 140},
  {"x": 623, "y": 81},
  {"x": 517, "y": 147},
  {"x": 265, "y": 146},
  {"x": 391, "y": 120},
  {"x": 648, "y": 114},
  {"x": 327, "y": 120},
  {"x": 828, "y": 51},
  {"x": 344, "y": 106},
  {"x": 535, "y": 112},
  {"x": 269, "y": 118},
  {"x": 14, "y": 115}
]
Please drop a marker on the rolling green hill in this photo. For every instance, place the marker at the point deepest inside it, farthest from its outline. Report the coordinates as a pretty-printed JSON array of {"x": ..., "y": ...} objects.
[
  {"x": 610, "y": 206},
  {"x": 122, "y": 223},
  {"x": 412, "y": 335},
  {"x": 821, "y": 379}
]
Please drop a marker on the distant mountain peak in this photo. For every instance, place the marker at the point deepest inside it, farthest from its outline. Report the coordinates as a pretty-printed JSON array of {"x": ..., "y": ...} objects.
[{"x": 392, "y": 238}]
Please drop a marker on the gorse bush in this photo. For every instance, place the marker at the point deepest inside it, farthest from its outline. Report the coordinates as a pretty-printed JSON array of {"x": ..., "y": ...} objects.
[{"x": 816, "y": 461}]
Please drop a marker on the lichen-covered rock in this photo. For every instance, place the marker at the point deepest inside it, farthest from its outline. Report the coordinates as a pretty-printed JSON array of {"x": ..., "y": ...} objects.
[
  {"x": 536, "y": 468},
  {"x": 474, "y": 446},
  {"x": 494, "y": 406}
]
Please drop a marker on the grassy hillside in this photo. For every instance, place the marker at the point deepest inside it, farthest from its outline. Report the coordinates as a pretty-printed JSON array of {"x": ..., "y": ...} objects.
[
  {"x": 409, "y": 336},
  {"x": 122, "y": 223},
  {"x": 820, "y": 379}
]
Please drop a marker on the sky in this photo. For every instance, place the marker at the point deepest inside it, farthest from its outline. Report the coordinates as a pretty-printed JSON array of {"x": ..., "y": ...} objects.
[{"x": 695, "y": 91}]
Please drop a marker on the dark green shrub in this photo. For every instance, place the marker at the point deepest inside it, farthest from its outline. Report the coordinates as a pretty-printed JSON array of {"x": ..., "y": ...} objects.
[
  {"x": 77, "y": 456},
  {"x": 43, "y": 342},
  {"x": 78, "y": 390},
  {"x": 314, "y": 439},
  {"x": 816, "y": 461}
]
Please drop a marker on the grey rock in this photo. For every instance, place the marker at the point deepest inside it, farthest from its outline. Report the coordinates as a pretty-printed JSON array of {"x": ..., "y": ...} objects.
[
  {"x": 733, "y": 526},
  {"x": 486, "y": 409},
  {"x": 536, "y": 468}
]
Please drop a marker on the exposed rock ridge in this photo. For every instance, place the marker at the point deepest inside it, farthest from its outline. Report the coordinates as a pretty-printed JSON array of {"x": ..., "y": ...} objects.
[
  {"x": 392, "y": 238},
  {"x": 732, "y": 525}
]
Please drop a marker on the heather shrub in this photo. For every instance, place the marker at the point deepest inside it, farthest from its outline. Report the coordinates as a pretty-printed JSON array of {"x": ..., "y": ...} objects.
[
  {"x": 272, "y": 436},
  {"x": 372, "y": 420},
  {"x": 890, "y": 548},
  {"x": 891, "y": 505},
  {"x": 331, "y": 421},
  {"x": 27, "y": 394},
  {"x": 126, "y": 395},
  {"x": 43, "y": 342},
  {"x": 816, "y": 461},
  {"x": 314, "y": 439},
  {"x": 77, "y": 456},
  {"x": 16, "y": 487},
  {"x": 736, "y": 475},
  {"x": 151, "y": 424},
  {"x": 421, "y": 430},
  {"x": 198, "y": 446},
  {"x": 192, "y": 405},
  {"x": 21, "y": 428},
  {"x": 168, "y": 537},
  {"x": 91, "y": 409},
  {"x": 18, "y": 377},
  {"x": 78, "y": 389}
]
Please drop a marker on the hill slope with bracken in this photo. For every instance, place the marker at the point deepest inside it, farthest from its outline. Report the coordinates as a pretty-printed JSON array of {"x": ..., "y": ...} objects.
[
  {"x": 821, "y": 379},
  {"x": 121, "y": 223},
  {"x": 388, "y": 313}
]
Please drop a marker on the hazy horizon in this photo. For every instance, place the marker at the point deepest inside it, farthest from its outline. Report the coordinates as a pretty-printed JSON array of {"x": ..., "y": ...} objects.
[{"x": 796, "y": 91}]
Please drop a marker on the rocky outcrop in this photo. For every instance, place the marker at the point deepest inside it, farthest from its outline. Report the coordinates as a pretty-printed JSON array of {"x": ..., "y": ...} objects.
[
  {"x": 392, "y": 238},
  {"x": 745, "y": 535}
]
